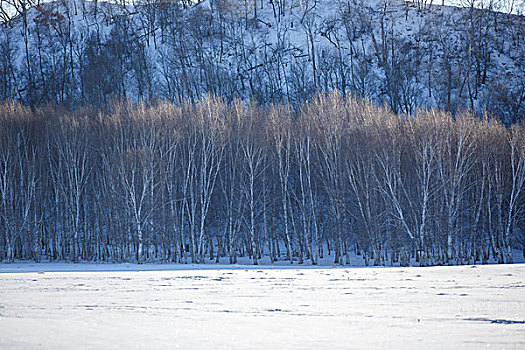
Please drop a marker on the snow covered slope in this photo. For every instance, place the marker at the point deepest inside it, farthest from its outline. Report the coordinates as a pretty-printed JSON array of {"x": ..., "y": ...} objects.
[{"x": 402, "y": 53}]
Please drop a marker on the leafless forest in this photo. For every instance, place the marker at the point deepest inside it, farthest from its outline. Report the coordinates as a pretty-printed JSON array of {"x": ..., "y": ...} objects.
[
  {"x": 405, "y": 54},
  {"x": 205, "y": 180}
]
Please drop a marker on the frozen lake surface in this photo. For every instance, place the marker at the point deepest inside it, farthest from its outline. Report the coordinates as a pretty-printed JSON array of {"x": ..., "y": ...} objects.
[{"x": 62, "y": 306}]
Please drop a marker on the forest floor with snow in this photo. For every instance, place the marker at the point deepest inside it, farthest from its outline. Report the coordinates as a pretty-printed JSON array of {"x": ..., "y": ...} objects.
[{"x": 96, "y": 306}]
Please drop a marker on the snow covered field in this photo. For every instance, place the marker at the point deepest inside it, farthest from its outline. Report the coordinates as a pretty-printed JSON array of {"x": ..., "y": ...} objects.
[{"x": 130, "y": 306}]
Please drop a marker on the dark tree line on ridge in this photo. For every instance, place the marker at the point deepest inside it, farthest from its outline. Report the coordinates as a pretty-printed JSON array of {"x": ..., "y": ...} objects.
[
  {"x": 211, "y": 180},
  {"x": 404, "y": 54}
]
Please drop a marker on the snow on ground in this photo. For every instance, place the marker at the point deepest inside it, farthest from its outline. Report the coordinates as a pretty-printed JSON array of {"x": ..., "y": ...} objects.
[{"x": 182, "y": 306}]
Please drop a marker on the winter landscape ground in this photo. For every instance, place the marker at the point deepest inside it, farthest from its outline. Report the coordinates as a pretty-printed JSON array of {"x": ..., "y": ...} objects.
[{"x": 92, "y": 306}]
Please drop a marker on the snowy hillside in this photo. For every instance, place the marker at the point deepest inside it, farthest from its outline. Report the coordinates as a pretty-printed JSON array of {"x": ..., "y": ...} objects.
[{"x": 404, "y": 54}]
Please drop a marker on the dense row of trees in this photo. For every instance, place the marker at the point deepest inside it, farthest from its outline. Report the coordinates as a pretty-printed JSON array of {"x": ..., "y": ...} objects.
[
  {"x": 210, "y": 179},
  {"x": 403, "y": 54}
]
